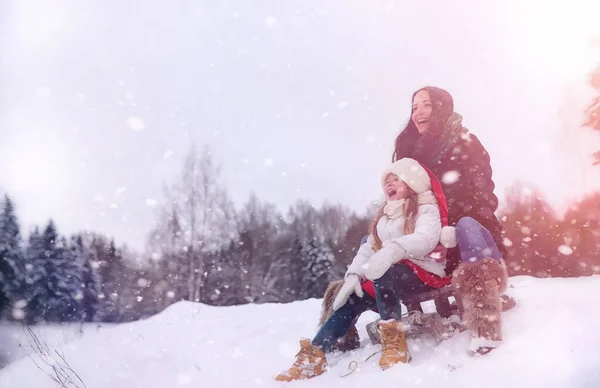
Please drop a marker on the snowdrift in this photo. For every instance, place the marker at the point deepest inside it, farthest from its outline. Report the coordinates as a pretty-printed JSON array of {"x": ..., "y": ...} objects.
[{"x": 552, "y": 339}]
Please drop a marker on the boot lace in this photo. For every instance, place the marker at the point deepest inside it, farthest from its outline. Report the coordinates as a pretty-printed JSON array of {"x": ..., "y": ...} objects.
[
  {"x": 306, "y": 357},
  {"x": 390, "y": 338}
]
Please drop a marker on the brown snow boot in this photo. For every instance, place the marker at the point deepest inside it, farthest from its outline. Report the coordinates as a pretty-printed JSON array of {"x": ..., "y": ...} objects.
[
  {"x": 310, "y": 362},
  {"x": 480, "y": 285},
  {"x": 393, "y": 344}
]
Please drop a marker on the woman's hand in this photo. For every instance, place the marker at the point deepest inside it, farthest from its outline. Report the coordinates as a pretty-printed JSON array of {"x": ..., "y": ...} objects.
[
  {"x": 382, "y": 260},
  {"x": 351, "y": 285}
]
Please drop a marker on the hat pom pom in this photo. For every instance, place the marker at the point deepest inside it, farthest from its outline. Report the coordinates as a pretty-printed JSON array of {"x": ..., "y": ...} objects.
[{"x": 448, "y": 237}]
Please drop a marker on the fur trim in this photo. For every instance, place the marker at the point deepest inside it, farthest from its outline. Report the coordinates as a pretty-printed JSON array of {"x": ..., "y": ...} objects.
[
  {"x": 478, "y": 285},
  {"x": 448, "y": 237},
  {"x": 327, "y": 306},
  {"x": 351, "y": 340}
]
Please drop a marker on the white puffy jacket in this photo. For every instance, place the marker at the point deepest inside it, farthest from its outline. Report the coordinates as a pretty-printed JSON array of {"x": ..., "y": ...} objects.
[{"x": 418, "y": 245}]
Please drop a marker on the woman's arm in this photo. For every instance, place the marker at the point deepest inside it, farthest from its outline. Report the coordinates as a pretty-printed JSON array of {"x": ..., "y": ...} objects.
[{"x": 482, "y": 202}]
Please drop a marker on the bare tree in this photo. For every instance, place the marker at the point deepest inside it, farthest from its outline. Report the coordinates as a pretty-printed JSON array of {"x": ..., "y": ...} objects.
[
  {"x": 205, "y": 214},
  {"x": 258, "y": 226}
]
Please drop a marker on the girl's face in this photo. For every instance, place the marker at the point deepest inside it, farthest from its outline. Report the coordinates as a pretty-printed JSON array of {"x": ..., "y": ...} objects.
[
  {"x": 395, "y": 188},
  {"x": 421, "y": 111}
]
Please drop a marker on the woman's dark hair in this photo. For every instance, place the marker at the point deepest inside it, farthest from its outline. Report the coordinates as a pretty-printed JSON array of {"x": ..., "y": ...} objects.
[{"x": 442, "y": 106}]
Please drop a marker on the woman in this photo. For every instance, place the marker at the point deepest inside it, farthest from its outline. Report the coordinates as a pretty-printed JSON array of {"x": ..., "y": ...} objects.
[
  {"x": 399, "y": 258},
  {"x": 434, "y": 136}
]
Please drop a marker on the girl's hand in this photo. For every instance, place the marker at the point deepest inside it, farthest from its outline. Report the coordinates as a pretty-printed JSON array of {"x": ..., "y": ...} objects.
[{"x": 351, "y": 285}]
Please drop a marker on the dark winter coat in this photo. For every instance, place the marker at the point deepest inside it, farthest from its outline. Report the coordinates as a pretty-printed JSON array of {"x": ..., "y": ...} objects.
[{"x": 462, "y": 164}]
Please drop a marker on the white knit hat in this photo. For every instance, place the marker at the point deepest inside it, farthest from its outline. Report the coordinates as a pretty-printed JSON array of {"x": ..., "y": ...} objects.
[{"x": 411, "y": 172}]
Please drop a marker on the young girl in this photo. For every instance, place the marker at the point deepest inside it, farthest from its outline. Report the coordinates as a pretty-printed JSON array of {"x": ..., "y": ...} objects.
[{"x": 402, "y": 256}]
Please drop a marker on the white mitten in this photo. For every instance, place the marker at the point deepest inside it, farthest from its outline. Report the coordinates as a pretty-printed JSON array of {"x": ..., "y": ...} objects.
[
  {"x": 382, "y": 260},
  {"x": 351, "y": 285}
]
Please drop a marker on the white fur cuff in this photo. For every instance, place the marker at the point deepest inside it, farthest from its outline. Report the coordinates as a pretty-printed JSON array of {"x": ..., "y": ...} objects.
[{"x": 448, "y": 237}]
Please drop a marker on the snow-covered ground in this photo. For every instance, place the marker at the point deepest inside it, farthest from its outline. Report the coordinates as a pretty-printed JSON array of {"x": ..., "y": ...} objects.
[
  {"x": 14, "y": 339},
  {"x": 552, "y": 339}
]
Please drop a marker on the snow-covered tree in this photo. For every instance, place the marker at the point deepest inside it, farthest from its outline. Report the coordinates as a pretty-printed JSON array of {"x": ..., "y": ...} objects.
[
  {"x": 11, "y": 258},
  {"x": 63, "y": 278},
  {"x": 317, "y": 262},
  {"x": 113, "y": 276},
  {"x": 91, "y": 284},
  {"x": 35, "y": 292}
]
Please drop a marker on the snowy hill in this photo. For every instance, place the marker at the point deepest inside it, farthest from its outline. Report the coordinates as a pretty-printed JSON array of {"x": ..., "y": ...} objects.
[{"x": 551, "y": 340}]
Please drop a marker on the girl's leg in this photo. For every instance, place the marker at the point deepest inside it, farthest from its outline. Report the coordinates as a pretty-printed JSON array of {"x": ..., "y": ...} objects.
[
  {"x": 396, "y": 284},
  {"x": 340, "y": 321},
  {"x": 475, "y": 241}
]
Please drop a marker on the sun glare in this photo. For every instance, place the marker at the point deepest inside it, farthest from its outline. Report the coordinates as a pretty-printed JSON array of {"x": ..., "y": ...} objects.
[{"x": 552, "y": 39}]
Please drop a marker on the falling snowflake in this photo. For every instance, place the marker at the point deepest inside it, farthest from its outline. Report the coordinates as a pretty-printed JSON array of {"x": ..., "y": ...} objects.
[
  {"x": 451, "y": 177},
  {"x": 151, "y": 202},
  {"x": 142, "y": 282},
  {"x": 268, "y": 162},
  {"x": 507, "y": 242},
  {"x": 342, "y": 105},
  {"x": 168, "y": 154},
  {"x": 135, "y": 123},
  {"x": 18, "y": 313},
  {"x": 565, "y": 250}
]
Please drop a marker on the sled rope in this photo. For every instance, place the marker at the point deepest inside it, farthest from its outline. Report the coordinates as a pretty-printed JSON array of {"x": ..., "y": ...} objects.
[
  {"x": 353, "y": 365},
  {"x": 415, "y": 317}
]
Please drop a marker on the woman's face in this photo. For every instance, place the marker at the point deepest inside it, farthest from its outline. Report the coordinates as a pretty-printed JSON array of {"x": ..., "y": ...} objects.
[
  {"x": 421, "y": 111},
  {"x": 395, "y": 188}
]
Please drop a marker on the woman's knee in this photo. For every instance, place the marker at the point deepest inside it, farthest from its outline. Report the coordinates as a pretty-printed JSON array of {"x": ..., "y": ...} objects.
[
  {"x": 466, "y": 223},
  {"x": 467, "y": 226}
]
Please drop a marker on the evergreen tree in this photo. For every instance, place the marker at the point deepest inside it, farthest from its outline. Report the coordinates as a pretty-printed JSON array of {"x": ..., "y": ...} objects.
[
  {"x": 113, "y": 274},
  {"x": 35, "y": 291},
  {"x": 317, "y": 262},
  {"x": 63, "y": 278},
  {"x": 11, "y": 258},
  {"x": 90, "y": 280}
]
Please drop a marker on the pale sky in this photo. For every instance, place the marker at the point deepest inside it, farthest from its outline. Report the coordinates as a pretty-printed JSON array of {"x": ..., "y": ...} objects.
[{"x": 99, "y": 100}]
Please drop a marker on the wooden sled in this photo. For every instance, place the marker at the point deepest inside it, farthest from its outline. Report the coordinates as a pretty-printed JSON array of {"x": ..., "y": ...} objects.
[{"x": 441, "y": 324}]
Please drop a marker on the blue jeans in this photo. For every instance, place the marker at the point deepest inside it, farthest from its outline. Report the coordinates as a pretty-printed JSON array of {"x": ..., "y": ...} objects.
[
  {"x": 397, "y": 283},
  {"x": 475, "y": 241}
]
